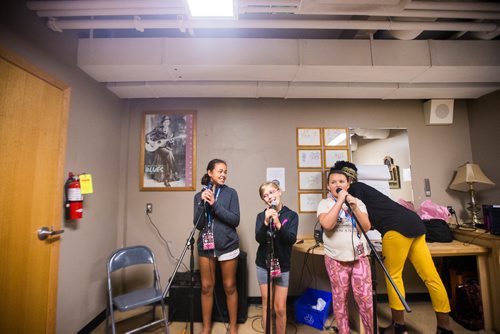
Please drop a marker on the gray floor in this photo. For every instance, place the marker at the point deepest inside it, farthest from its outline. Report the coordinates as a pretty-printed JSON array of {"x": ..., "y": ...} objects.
[{"x": 420, "y": 320}]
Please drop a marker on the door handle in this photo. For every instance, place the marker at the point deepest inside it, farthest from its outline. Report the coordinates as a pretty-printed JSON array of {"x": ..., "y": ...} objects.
[{"x": 45, "y": 232}]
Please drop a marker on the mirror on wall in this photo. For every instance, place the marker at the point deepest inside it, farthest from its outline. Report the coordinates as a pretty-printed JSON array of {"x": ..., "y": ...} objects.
[{"x": 390, "y": 147}]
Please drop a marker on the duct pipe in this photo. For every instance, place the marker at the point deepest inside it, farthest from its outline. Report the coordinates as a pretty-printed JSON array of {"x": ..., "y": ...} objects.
[
  {"x": 276, "y": 24},
  {"x": 455, "y": 5},
  {"x": 429, "y": 9},
  {"x": 253, "y": 10},
  {"x": 112, "y": 12},
  {"x": 494, "y": 15},
  {"x": 487, "y": 35},
  {"x": 155, "y": 4},
  {"x": 92, "y": 4}
]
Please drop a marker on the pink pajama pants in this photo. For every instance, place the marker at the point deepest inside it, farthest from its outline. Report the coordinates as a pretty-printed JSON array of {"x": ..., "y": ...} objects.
[{"x": 343, "y": 275}]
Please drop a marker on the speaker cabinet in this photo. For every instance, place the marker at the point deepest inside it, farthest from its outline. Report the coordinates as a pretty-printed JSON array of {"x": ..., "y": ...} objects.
[
  {"x": 438, "y": 112},
  {"x": 180, "y": 299},
  {"x": 242, "y": 287}
]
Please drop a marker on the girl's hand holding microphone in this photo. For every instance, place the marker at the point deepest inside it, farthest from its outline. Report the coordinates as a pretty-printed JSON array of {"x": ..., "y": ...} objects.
[{"x": 208, "y": 196}]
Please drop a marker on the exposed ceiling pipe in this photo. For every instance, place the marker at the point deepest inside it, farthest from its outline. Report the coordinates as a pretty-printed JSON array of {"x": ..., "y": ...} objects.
[
  {"x": 276, "y": 24},
  {"x": 489, "y": 11},
  {"x": 405, "y": 35},
  {"x": 487, "y": 35},
  {"x": 112, "y": 12},
  {"x": 259, "y": 10},
  {"x": 113, "y": 4},
  {"x": 93, "y": 4},
  {"x": 406, "y": 13},
  {"x": 454, "y": 5}
]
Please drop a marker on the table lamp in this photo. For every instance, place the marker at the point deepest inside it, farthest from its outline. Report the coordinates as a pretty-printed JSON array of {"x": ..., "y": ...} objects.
[{"x": 470, "y": 178}]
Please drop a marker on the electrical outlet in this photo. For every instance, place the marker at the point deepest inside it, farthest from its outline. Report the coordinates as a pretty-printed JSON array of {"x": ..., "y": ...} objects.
[{"x": 149, "y": 208}]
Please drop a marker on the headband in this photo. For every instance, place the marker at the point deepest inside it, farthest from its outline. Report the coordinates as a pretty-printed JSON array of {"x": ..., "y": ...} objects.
[{"x": 350, "y": 172}]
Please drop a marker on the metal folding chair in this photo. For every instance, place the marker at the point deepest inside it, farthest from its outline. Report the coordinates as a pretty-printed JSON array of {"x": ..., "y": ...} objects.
[{"x": 132, "y": 298}]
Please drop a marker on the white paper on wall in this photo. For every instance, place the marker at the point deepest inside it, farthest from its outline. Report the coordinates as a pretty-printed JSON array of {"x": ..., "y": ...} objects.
[{"x": 278, "y": 174}]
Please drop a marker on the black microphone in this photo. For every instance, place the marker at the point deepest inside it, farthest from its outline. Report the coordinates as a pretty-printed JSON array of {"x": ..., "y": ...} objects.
[
  {"x": 338, "y": 190},
  {"x": 271, "y": 220},
  {"x": 353, "y": 215},
  {"x": 208, "y": 186}
]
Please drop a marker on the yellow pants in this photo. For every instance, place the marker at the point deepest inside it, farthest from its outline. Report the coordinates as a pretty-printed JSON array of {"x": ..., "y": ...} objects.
[{"x": 396, "y": 248}]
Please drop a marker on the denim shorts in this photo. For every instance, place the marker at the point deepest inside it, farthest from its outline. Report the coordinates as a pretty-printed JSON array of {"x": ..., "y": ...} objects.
[{"x": 282, "y": 281}]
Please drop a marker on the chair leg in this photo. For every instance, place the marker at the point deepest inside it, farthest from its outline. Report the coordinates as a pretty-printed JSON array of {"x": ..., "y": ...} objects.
[
  {"x": 112, "y": 316},
  {"x": 165, "y": 316}
]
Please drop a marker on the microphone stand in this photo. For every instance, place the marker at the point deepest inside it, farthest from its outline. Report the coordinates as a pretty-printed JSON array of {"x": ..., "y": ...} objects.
[
  {"x": 381, "y": 263},
  {"x": 270, "y": 255},
  {"x": 189, "y": 244}
]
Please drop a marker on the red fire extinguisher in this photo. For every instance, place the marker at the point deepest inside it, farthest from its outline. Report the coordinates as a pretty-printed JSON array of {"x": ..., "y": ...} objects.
[{"x": 74, "y": 198}]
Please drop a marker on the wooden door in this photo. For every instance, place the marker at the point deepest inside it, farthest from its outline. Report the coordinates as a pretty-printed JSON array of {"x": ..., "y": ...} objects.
[{"x": 33, "y": 125}]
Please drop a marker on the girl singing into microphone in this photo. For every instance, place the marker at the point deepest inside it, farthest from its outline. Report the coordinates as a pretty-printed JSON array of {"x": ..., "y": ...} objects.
[
  {"x": 280, "y": 224},
  {"x": 346, "y": 251},
  {"x": 218, "y": 241}
]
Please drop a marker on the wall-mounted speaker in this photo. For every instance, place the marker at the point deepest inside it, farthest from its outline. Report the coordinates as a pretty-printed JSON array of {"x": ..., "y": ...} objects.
[{"x": 438, "y": 112}]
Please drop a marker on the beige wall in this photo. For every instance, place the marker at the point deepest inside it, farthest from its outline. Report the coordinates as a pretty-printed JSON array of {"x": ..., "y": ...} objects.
[
  {"x": 94, "y": 146},
  {"x": 255, "y": 134},
  {"x": 484, "y": 118}
]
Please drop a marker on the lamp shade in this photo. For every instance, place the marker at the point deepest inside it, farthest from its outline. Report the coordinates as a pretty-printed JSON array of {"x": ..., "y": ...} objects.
[{"x": 470, "y": 173}]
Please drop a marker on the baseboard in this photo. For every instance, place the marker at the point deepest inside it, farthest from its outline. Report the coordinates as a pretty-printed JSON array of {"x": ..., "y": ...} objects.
[{"x": 93, "y": 324}]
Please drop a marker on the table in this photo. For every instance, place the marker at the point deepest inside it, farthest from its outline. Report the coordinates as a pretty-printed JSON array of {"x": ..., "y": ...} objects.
[
  {"x": 454, "y": 248},
  {"x": 482, "y": 238}
]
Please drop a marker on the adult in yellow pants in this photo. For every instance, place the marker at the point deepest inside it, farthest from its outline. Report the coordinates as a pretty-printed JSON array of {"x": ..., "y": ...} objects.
[{"x": 403, "y": 237}]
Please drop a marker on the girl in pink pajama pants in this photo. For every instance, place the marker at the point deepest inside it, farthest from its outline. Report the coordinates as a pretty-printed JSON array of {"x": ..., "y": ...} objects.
[{"x": 346, "y": 251}]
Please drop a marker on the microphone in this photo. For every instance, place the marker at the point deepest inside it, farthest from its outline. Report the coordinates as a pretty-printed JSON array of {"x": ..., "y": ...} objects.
[
  {"x": 338, "y": 190},
  {"x": 271, "y": 220},
  {"x": 353, "y": 221},
  {"x": 208, "y": 186}
]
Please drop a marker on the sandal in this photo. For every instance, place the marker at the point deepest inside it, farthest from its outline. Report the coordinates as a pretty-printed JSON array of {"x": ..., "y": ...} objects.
[
  {"x": 441, "y": 330},
  {"x": 398, "y": 329}
]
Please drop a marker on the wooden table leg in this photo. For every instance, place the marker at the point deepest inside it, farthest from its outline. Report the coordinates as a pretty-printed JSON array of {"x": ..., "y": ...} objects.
[{"x": 482, "y": 269}]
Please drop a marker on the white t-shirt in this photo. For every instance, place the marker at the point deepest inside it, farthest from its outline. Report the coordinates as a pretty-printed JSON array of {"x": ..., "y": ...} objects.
[{"x": 343, "y": 243}]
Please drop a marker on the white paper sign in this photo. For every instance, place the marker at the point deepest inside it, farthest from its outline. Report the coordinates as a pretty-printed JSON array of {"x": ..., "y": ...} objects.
[
  {"x": 406, "y": 174},
  {"x": 278, "y": 174}
]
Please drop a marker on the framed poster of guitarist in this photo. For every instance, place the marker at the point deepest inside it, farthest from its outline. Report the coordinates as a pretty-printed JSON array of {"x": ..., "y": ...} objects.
[{"x": 168, "y": 156}]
